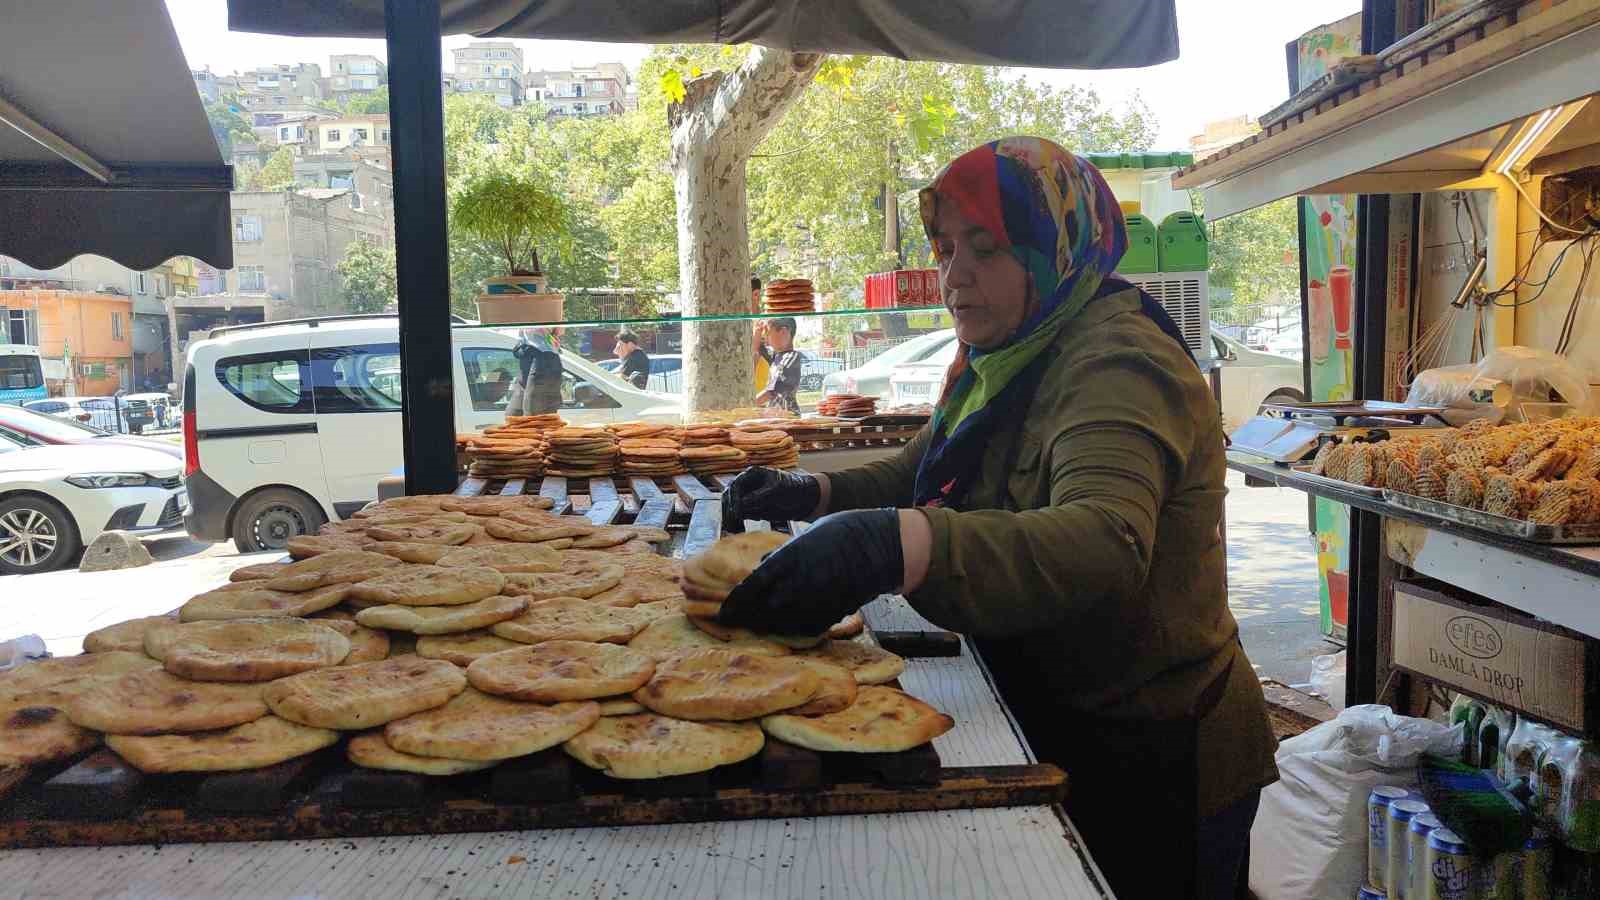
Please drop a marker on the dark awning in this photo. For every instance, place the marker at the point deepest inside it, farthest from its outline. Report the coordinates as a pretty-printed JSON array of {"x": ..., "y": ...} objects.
[
  {"x": 1063, "y": 34},
  {"x": 104, "y": 146}
]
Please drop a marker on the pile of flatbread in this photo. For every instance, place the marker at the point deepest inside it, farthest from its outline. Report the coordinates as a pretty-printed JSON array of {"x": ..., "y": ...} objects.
[{"x": 442, "y": 635}]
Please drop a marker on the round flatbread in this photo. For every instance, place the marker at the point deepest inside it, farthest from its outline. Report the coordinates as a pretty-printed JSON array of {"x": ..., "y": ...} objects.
[
  {"x": 673, "y": 634},
  {"x": 555, "y": 671},
  {"x": 648, "y": 534},
  {"x": 651, "y": 746},
  {"x": 609, "y": 536},
  {"x": 308, "y": 545},
  {"x": 731, "y": 558},
  {"x": 407, "y": 503},
  {"x": 574, "y": 619},
  {"x": 337, "y": 567},
  {"x": 836, "y": 688},
  {"x": 848, "y": 627},
  {"x": 366, "y": 644},
  {"x": 126, "y": 636},
  {"x": 497, "y": 504},
  {"x": 477, "y": 726},
  {"x": 63, "y": 675},
  {"x": 370, "y": 750},
  {"x": 33, "y": 732},
  {"x": 461, "y": 649},
  {"x": 417, "y": 585},
  {"x": 257, "y": 572},
  {"x": 450, "y": 533},
  {"x": 443, "y": 619},
  {"x": 364, "y": 695},
  {"x": 881, "y": 720},
  {"x": 869, "y": 665},
  {"x": 619, "y": 706},
  {"x": 730, "y": 633},
  {"x": 513, "y": 557},
  {"x": 158, "y": 702},
  {"x": 726, "y": 686},
  {"x": 407, "y": 551},
  {"x": 576, "y": 579},
  {"x": 246, "y": 649},
  {"x": 637, "y": 589},
  {"x": 267, "y": 741},
  {"x": 510, "y": 529},
  {"x": 633, "y": 547},
  {"x": 245, "y": 601}
]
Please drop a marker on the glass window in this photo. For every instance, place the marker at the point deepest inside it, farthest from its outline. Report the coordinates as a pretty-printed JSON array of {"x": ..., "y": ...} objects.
[
  {"x": 490, "y": 374},
  {"x": 383, "y": 135},
  {"x": 333, "y": 134},
  {"x": 252, "y": 280},
  {"x": 488, "y": 70},
  {"x": 358, "y": 379},
  {"x": 138, "y": 283},
  {"x": 360, "y": 134},
  {"x": 20, "y": 373},
  {"x": 275, "y": 382},
  {"x": 247, "y": 228},
  {"x": 116, "y": 326}
]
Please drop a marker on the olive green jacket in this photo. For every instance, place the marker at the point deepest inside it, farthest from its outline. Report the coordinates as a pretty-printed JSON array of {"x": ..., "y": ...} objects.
[{"x": 1101, "y": 549}]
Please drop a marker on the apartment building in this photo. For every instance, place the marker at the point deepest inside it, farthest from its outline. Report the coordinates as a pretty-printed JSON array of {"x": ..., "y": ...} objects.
[
  {"x": 91, "y": 332},
  {"x": 599, "y": 90},
  {"x": 213, "y": 87},
  {"x": 491, "y": 68},
  {"x": 287, "y": 243},
  {"x": 333, "y": 134},
  {"x": 352, "y": 75},
  {"x": 281, "y": 85}
]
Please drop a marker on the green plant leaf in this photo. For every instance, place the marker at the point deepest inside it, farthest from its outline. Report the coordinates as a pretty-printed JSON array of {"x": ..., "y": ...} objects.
[{"x": 672, "y": 86}]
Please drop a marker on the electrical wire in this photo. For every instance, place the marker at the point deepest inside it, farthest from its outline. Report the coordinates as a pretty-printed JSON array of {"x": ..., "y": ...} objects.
[
  {"x": 1565, "y": 341},
  {"x": 1549, "y": 221}
]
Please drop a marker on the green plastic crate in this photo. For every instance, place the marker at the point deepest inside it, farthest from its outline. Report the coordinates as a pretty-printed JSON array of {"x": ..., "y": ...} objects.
[
  {"x": 1182, "y": 241},
  {"x": 1142, "y": 256}
]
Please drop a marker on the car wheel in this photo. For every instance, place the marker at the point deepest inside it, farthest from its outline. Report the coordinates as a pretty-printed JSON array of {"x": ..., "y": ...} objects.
[
  {"x": 267, "y": 520},
  {"x": 811, "y": 383},
  {"x": 36, "y": 535},
  {"x": 1284, "y": 397}
]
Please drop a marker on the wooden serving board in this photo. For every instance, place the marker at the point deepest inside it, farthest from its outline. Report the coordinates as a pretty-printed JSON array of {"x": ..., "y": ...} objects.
[{"x": 100, "y": 800}]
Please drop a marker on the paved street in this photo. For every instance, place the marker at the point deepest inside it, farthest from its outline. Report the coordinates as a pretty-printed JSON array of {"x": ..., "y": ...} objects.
[{"x": 1272, "y": 580}]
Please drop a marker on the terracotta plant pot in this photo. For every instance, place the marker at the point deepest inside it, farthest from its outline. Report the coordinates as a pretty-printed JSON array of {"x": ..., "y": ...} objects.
[{"x": 513, "y": 308}]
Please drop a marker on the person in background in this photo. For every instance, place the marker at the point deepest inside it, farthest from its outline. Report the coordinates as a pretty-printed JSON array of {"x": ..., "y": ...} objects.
[
  {"x": 538, "y": 389},
  {"x": 635, "y": 362},
  {"x": 760, "y": 335},
  {"x": 784, "y": 363}
]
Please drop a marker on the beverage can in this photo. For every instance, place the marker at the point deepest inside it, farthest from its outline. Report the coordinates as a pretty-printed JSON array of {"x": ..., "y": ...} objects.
[
  {"x": 902, "y": 289},
  {"x": 1378, "y": 833},
  {"x": 1449, "y": 867},
  {"x": 1417, "y": 831},
  {"x": 1401, "y": 812},
  {"x": 1538, "y": 865},
  {"x": 930, "y": 287},
  {"x": 1367, "y": 893},
  {"x": 1501, "y": 878},
  {"x": 913, "y": 287}
]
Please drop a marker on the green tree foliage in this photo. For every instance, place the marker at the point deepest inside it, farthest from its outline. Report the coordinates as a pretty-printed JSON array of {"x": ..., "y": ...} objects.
[
  {"x": 368, "y": 104},
  {"x": 276, "y": 175},
  {"x": 1254, "y": 256},
  {"x": 511, "y": 215},
  {"x": 367, "y": 277},
  {"x": 228, "y": 124}
]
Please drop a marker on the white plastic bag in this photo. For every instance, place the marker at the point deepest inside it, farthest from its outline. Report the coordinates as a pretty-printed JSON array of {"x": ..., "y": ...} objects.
[
  {"x": 1310, "y": 837},
  {"x": 1327, "y": 678},
  {"x": 19, "y": 650},
  {"x": 1464, "y": 395}
]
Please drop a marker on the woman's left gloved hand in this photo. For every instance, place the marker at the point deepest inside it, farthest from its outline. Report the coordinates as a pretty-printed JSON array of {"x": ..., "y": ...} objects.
[{"x": 839, "y": 564}]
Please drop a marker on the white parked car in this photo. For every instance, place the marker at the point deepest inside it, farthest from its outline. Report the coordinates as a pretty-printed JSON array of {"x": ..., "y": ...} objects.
[
  {"x": 871, "y": 379},
  {"x": 56, "y": 499},
  {"x": 287, "y": 425},
  {"x": 1249, "y": 379}
]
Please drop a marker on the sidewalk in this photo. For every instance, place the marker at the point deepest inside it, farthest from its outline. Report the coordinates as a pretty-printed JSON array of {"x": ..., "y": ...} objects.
[{"x": 1272, "y": 580}]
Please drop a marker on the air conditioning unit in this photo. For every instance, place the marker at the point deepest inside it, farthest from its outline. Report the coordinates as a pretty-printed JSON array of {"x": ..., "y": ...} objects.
[{"x": 1186, "y": 298}]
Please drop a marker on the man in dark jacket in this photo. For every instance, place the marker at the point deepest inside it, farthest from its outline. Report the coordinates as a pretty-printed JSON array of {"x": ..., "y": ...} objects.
[{"x": 635, "y": 362}]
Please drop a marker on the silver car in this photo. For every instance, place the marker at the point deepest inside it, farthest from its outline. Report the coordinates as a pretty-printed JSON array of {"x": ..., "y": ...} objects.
[{"x": 872, "y": 378}]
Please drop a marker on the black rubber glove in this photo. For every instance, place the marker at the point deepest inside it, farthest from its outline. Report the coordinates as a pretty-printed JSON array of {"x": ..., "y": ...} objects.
[
  {"x": 771, "y": 495},
  {"x": 837, "y": 566}
]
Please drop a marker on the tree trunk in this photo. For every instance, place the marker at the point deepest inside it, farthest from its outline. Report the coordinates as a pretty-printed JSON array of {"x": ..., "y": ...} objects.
[{"x": 721, "y": 120}]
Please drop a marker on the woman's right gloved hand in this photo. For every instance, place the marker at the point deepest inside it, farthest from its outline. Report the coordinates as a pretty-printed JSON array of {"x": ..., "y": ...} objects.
[{"x": 769, "y": 494}]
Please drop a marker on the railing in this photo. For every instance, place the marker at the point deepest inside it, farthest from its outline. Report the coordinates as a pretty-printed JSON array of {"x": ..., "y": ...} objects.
[{"x": 119, "y": 415}]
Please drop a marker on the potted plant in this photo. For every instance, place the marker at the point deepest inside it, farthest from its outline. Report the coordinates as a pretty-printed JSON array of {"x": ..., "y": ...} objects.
[{"x": 511, "y": 216}]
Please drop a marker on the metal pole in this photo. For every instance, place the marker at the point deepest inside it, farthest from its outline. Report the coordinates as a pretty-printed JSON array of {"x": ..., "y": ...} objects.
[{"x": 422, "y": 263}]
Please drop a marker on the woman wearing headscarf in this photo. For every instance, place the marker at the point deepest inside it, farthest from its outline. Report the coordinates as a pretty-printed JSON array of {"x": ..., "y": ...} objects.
[{"x": 1062, "y": 510}]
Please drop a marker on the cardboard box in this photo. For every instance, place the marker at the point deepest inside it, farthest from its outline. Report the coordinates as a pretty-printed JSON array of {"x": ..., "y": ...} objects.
[{"x": 1497, "y": 654}]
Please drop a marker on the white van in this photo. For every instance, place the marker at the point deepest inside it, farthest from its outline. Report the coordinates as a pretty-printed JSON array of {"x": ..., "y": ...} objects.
[{"x": 288, "y": 425}]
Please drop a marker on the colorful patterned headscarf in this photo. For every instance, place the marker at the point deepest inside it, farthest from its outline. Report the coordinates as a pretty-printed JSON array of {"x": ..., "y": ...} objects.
[{"x": 1056, "y": 215}]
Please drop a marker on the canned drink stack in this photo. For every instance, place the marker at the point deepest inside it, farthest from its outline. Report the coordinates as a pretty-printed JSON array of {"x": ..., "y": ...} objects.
[
  {"x": 1450, "y": 870},
  {"x": 1538, "y": 866},
  {"x": 1417, "y": 831},
  {"x": 1378, "y": 833},
  {"x": 1367, "y": 893},
  {"x": 1396, "y": 875}
]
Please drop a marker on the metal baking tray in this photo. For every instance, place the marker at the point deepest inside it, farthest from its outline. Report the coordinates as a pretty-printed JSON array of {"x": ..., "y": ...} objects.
[
  {"x": 1501, "y": 525},
  {"x": 1304, "y": 471}
]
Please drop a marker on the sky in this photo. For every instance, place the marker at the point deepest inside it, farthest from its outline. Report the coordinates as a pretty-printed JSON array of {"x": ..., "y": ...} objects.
[{"x": 1231, "y": 58}]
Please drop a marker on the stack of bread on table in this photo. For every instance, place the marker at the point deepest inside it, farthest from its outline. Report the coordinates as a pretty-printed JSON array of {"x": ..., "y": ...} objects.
[
  {"x": 766, "y": 447},
  {"x": 1545, "y": 473},
  {"x": 786, "y": 296},
  {"x": 442, "y": 635},
  {"x": 517, "y": 449},
  {"x": 848, "y": 406}
]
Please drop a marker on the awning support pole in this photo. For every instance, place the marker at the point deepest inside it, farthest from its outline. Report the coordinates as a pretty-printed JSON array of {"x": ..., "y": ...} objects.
[
  {"x": 14, "y": 116},
  {"x": 422, "y": 260}
]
